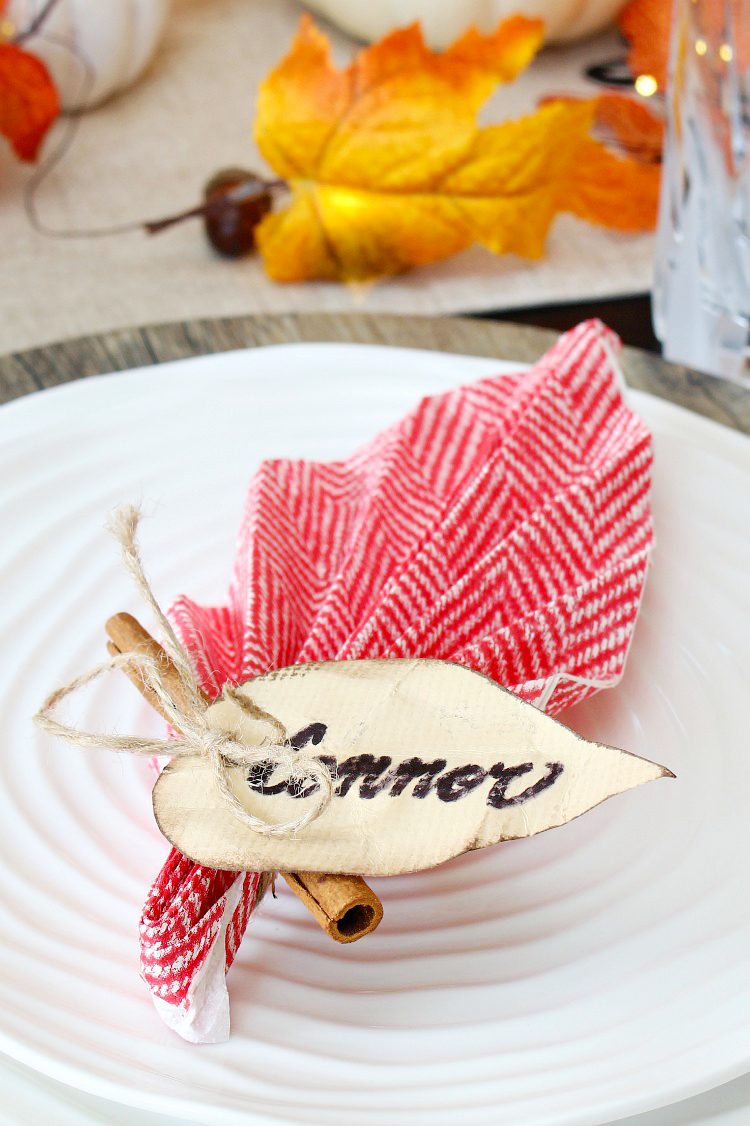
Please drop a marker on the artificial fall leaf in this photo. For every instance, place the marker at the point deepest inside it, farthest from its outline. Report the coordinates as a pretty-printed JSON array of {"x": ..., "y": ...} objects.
[
  {"x": 629, "y": 126},
  {"x": 388, "y": 168},
  {"x": 29, "y": 101},
  {"x": 645, "y": 24},
  {"x": 624, "y": 124}
]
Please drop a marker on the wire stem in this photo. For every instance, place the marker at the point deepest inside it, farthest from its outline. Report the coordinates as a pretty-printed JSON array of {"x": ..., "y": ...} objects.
[{"x": 36, "y": 23}]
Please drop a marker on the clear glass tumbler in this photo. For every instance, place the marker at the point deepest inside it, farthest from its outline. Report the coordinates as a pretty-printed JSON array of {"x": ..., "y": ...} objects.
[{"x": 701, "y": 299}]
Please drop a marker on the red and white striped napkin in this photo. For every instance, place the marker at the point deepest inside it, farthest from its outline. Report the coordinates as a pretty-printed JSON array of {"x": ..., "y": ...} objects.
[{"x": 504, "y": 525}]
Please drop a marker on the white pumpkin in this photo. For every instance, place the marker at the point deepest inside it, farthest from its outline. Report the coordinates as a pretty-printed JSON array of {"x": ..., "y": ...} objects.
[
  {"x": 444, "y": 20},
  {"x": 115, "y": 38}
]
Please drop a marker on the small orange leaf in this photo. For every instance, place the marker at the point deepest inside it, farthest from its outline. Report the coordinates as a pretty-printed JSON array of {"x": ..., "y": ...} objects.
[
  {"x": 388, "y": 168},
  {"x": 629, "y": 126},
  {"x": 624, "y": 124},
  {"x": 29, "y": 102},
  {"x": 645, "y": 24}
]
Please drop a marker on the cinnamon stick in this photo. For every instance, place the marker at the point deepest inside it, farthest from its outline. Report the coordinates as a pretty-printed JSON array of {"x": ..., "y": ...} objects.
[{"x": 344, "y": 906}]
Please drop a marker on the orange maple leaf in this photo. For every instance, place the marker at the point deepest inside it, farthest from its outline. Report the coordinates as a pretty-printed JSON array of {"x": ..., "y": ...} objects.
[
  {"x": 624, "y": 124},
  {"x": 645, "y": 24},
  {"x": 629, "y": 126},
  {"x": 388, "y": 168},
  {"x": 29, "y": 101}
]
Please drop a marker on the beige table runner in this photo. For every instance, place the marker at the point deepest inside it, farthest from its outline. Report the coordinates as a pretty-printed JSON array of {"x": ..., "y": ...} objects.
[{"x": 148, "y": 152}]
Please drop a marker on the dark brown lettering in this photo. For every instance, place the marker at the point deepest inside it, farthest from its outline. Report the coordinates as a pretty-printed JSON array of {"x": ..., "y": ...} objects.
[
  {"x": 297, "y": 790},
  {"x": 400, "y": 777},
  {"x": 313, "y": 733},
  {"x": 505, "y": 775},
  {"x": 258, "y": 776},
  {"x": 375, "y": 777},
  {"x": 367, "y": 767},
  {"x": 459, "y": 782}
]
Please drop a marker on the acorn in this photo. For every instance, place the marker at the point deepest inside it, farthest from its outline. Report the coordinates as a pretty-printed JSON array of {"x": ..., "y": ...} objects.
[{"x": 234, "y": 202}]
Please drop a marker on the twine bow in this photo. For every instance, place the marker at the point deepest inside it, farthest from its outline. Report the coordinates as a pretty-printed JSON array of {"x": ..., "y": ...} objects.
[{"x": 191, "y": 720}]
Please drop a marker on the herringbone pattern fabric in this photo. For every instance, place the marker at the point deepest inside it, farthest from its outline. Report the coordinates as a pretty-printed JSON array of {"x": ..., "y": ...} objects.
[{"x": 504, "y": 525}]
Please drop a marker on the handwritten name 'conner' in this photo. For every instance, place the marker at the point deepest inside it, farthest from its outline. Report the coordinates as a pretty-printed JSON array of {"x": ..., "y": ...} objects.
[{"x": 376, "y": 775}]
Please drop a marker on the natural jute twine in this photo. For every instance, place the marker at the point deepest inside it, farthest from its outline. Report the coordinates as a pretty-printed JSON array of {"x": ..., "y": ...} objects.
[{"x": 196, "y": 736}]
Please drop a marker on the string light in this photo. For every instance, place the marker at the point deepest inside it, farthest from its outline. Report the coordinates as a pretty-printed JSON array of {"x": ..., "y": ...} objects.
[
  {"x": 701, "y": 46},
  {"x": 646, "y": 85},
  {"x": 726, "y": 54}
]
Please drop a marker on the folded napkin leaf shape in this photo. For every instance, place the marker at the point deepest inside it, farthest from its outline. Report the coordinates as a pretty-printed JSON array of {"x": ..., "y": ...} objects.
[{"x": 504, "y": 526}]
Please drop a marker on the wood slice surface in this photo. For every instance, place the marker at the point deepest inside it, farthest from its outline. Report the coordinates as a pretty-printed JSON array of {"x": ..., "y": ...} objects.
[{"x": 50, "y": 366}]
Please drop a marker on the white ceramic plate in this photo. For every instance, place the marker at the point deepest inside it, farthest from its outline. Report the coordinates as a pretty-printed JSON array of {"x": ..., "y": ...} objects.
[{"x": 597, "y": 970}]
